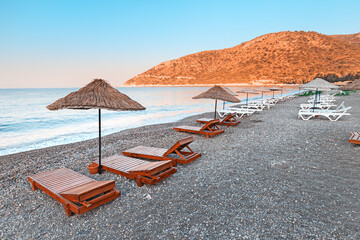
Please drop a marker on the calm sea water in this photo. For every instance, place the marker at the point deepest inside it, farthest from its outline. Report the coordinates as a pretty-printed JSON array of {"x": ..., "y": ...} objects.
[{"x": 26, "y": 123}]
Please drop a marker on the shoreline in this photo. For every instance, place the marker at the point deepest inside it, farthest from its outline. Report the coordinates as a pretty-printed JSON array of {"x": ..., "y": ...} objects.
[
  {"x": 103, "y": 137},
  {"x": 271, "y": 176}
]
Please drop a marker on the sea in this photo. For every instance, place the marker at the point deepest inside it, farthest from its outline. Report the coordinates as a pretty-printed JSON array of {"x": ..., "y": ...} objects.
[{"x": 26, "y": 123}]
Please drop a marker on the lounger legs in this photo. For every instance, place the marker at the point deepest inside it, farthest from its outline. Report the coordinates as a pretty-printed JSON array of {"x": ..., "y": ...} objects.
[
  {"x": 33, "y": 186},
  {"x": 67, "y": 210},
  {"x": 139, "y": 183}
]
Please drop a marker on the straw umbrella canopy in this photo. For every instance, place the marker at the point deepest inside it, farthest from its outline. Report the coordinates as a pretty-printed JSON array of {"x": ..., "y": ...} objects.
[
  {"x": 98, "y": 94},
  {"x": 247, "y": 91},
  {"x": 262, "y": 90},
  {"x": 217, "y": 93},
  {"x": 275, "y": 89},
  {"x": 319, "y": 84},
  {"x": 355, "y": 85}
]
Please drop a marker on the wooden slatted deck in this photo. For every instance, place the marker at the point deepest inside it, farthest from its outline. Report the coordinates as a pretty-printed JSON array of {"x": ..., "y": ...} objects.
[
  {"x": 67, "y": 187},
  {"x": 139, "y": 170},
  {"x": 152, "y": 151},
  {"x": 175, "y": 153}
]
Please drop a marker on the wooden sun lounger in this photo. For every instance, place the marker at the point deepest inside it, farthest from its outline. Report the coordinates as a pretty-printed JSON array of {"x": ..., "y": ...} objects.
[
  {"x": 75, "y": 191},
  {"x": 229, "y": 120},
  {"x": 164, "y": 154},
  {"x": 354, "y": 137},
  {"x": 209, "y": 129},
  {"x": 139, "y": 170}
]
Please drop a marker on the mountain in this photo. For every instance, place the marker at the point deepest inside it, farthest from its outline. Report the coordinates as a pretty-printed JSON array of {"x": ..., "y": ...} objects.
[
  {"x": 282, "y": 57},
  {"x": 349, "y": 38}
]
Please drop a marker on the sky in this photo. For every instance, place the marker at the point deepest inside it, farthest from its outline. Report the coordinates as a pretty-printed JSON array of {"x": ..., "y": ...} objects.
[{"x": 67, "y": 43}]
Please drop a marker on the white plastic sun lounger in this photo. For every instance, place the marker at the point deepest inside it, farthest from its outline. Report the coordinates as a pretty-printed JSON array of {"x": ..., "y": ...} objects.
[
  {"x": 321, "y": 106},
  {"x": 238, "y": 112},
  {"x": 332, "y": 115},
  {"x": 257, "y": 106}
]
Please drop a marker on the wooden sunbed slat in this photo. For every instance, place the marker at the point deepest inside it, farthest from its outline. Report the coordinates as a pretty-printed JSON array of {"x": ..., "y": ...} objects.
[{"x": 67, "y": 186}]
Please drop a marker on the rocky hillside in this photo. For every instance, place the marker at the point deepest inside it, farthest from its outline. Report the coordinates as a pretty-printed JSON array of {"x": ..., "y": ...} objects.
[
  {"x": 349, "y": 38},
  {"x": 283, "y": 57}
]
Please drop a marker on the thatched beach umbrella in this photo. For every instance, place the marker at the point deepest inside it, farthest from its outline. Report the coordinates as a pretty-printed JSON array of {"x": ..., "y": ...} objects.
[
  {"x": 275, "y": 89},
  {"x": 96, "y": 95},
  {"x": 217, "y": 93},
  {"x": 317, "y": 85},
  {"x": 247, "y": 91},
  {"x": 355, "y": 85},
  {"x": 262, "y": 90}
]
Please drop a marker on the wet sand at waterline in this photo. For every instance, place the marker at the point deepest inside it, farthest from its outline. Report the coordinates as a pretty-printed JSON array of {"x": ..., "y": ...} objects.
[{"x": 272, "y": 176}]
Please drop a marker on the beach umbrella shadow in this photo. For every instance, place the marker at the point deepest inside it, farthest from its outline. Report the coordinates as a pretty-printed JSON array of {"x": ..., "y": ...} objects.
[{"x": 98, "y": 94}]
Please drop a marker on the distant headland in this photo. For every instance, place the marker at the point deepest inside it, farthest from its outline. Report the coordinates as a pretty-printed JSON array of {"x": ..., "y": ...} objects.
[{"x": 274, "y": 58}]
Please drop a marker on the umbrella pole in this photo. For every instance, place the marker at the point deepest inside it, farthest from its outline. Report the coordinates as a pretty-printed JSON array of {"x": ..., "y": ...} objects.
[
  {"x": 315, "y": 100},
  {"x": 100, "y": 141},
  {"x": 215, "y": 108},
  {"x": 223, "y": 105},
  {"x": 247, "y": 99},
  {"x": 273, "y": 93},
  {"x": 262, "y": 94}
]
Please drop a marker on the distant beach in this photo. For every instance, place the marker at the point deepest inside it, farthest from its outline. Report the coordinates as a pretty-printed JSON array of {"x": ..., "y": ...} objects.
[{"x": 272, "y": 176}]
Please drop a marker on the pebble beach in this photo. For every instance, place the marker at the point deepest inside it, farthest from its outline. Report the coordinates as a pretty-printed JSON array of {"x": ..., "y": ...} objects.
[{"x": 273, "y": 176}]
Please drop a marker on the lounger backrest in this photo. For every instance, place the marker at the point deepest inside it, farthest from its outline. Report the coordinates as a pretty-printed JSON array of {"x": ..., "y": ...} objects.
[
  {"x": 228, "y": 117},
  {"x": 88, "y": 190},
  {"x": 179, "y": 145},
  {"x": 341, "y": 106},
  {"x": 210, "y": 124}
]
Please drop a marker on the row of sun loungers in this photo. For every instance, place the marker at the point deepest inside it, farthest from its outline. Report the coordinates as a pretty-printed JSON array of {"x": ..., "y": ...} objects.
[
  {"x": 229, "y": 117},
  {"x": 80, "y": 194}
]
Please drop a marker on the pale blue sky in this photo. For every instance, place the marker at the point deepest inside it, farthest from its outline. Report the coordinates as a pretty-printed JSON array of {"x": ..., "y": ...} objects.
[{"x": 67, "y": 43}]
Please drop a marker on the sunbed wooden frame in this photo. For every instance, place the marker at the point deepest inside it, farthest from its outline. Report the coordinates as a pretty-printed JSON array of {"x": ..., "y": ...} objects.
[
  {"x": 229, "y": 120},
  {"x": 139, "y": 170},
  {"x": 164, "y": 154},
  {"x": 78, "y": 193},
  {"x": 354, "y": 137},
  {"x": 209, "y": 129}
]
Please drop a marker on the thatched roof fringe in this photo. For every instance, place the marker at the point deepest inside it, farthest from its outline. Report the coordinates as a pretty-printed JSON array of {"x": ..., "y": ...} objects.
[{"x": 98, "y": 94}]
